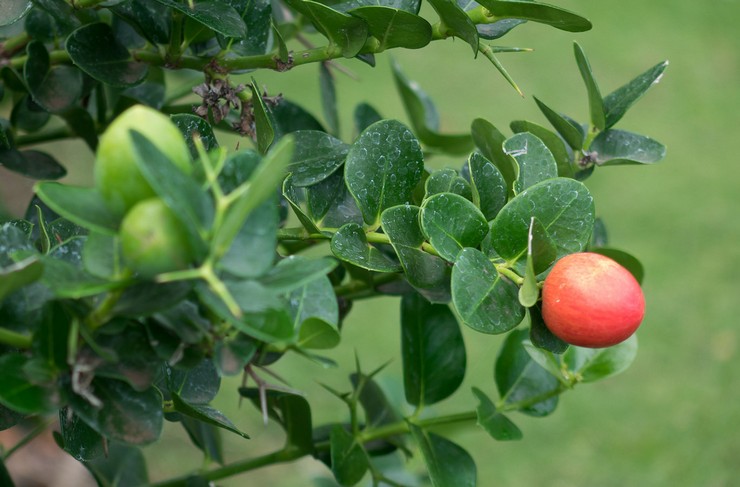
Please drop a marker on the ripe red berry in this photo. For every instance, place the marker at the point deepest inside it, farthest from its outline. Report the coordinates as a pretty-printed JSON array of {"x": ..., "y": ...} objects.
[{"x": 589, "y": 300}]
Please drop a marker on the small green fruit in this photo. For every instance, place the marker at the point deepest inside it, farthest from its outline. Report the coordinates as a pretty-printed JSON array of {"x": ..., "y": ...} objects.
[
  {"x": 589, "y": 300},
  {"x": 117, "y": 176},
  {"x": 153, "y": 240}
]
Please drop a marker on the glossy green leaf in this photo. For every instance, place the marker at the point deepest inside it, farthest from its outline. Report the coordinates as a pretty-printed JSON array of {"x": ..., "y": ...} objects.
[
  {"x": 350, "y": 244},
  {"x": 262, "y": 123},
  {"x": 345, "y": 31},
  {"x": 571, "y": 132},
  {"x": 207, "y": 438},
  {"x": 594, "y": 364},
  {"x": 394, "y": 27},
  {"x": 317, "y": 334},
  {"x": 383, "y": 166},
  {"x": 20, "y": 274},
  {"x": 495, "y": 29},
  {"x": 81, "y": 441},
  {"x": 433, "y": 351},
  {"x": 490, "y": 142},
  {"x": 495, "y": 423},
  {"x": 256, "y": 16},
  {"x": 206, "y": 414},
  {"x": 315, "y": 314},
  {"x": 151, "y": 20},
  {"x": 83, "y": 206},
  {"x": 424, "y": 117},
  {"x": 28, "y": 115},
  {"x": 553, "y": 142},
  {"x": 18, "y": 392},
  {"x": 617, "y": 147},
  {"x": 81, "y": 123},
  {"x": 411, "y": 6},
  {"x": 95, "y": 49},
  {"x": 32, "y": 163},
  {"x": 317, "y": 155},
  {"x": 64, "y": 273},
  {"x": 520, "y": 379},
  {"x": 486, "y": 301},
  {"x": 448, "y": 464},
  {"x": 264, "y": 182},
  {"x": 364, "y": 116},
  {"x": 626, "y": 260},
  {"x": 488, "y": 185},
  {"x": 529, "y": 292},
  {"x": 619, "y": 101},
  {"x": 429, "y": 274},
  {"x": 540, "y": 335},
  {"x": 328, "y": 93},
  {"x": 452, "y": 223},
  {"x": 295, "y": 196},
  {"x": 218, "y": 16},
  {"x": 378, "y": 410},
  {"x": 252, "y": 252},
  {"x": 545, "y": 359},
  {"x": 126, "y": 415},
  {"x": 12, "y": 10},
  {"x": 289, "y": 117},
  {"x": 296, "y": 271},
  {"x": 193, "y": 126},
  {"x": 595, "y": 102},
  {"x": 457, "y": 22},
  {"x": 447, "y": 181},
  {"x": 537, "y": 12},
  {"x": 534, "y": 159},
  {"x": 563, "y": 206},
  {"x": 55, "y": 88},
  {"x": 196, "y": 385},
  {"x": 330, "y": 203},
  {"x": 348, "y": 460},
  {"x": 233, "y": 354}
]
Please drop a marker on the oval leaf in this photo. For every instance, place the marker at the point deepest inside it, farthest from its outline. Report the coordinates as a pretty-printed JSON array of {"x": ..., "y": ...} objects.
[
  {"x": 452, "y": 223},
  {"x": 618, "y": 147},
  {"x": 534, "y": 159},
  {"x": 350, "y": 244},
  {"x": 394, "y": 27},
  {"x": 488, "y": 186},
  {"x": 448, "y": 464},
  {"x": 496, "y": 424},
  {"x": 317, "y": 155},
  {"x": 537, "y": 12},
  {"x": 594, "y": 364}
]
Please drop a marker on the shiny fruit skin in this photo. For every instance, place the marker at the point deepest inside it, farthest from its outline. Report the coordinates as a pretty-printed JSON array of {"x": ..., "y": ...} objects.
[
  {"x": 153, "y": 240},
  {"x": 589, "y": 300},
  {"x": 117, "y": 176}
]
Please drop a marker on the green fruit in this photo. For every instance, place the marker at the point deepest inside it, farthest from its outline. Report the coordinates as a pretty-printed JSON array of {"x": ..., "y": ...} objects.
[
  {"x": 117, "y": 176},
  {"x": 153, "y": 240}
]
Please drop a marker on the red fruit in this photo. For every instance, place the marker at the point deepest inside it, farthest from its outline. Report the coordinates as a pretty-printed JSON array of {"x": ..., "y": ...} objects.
[{"x": 589, "y": 300}]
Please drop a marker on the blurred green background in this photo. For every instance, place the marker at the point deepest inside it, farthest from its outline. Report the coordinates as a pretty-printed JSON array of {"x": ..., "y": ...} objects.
[{"x": 674, "y": 417}]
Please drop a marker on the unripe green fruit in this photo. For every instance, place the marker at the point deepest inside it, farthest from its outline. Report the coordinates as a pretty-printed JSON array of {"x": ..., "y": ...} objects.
[
  {"x": 153, "y": 240},
  {"x": 589, "y": 300},
  {"x": 117, "y": 176}
]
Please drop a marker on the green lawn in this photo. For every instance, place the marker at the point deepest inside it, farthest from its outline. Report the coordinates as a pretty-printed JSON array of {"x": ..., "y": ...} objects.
[{"x": 670, "y": 419}]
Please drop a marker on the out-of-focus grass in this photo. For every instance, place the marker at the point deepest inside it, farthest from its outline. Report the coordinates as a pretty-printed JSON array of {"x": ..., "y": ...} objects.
[{"x": 671, "y": 418}]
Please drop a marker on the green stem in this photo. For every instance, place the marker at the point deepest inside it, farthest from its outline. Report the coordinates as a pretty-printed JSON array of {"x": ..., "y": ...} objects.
[
  {"x": 287, "y": 454},
  {"x": 14, "y": 339},
  {"x": 509, "y": 273}
]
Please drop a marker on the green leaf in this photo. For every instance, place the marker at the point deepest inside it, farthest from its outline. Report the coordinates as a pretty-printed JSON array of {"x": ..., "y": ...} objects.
[
  {"x": 125, "y": 415},
  {"x": 433, "y": 351},
  {"x": 80, "y": 440},
  {"x": 570, "y": 131},
  {"x": 447, "y": 181},
  {"x": 264, "y": 181},
  {"x": 206, "y": 437},
  {"x": 618, "y": 147},
  {"x": 429, "y": 274},
  {"x": 55, "y": 88},
  {"x": 344, "y": 31},
  {"x": 424, "y": 117},
  {"x": 618, "y": 102},
  {"x": 295, "y": 271},
  {"x": 457, "y": 22},
  {"x": 206, "y": 414},
  {"x": 495, "y": 423},
  {"x": 488, "y": 186},
  {"x": 378, "y": 410},
  {"x": 262, "y": 123},
  {"x": 486, "y": 301},
  {"x": 595, "y": 102},
  {"x": 563, "y": 206},
  {"x": 217, "y": 16},
  {"x": 545, "y": 359},
  {"x": 329, "y": 98},
  {"x": 318, "y": 334},
  {"x": 553, "y": 142},
  {"x": 233, "y": 353},
  {"x": 197, "y": 385},
  {"x": 32, "y": 163},
  {"x": 289, "y": 117},
  {"x": 490, "y": 142},
  {"x": 256, "y": 16},
  {"x": 452, "y": 223},
  {"x": 383, "y": 166},
  {"x": 348, "y": 460},
  {"x": 330, "y": 203},
  {"x": 315, "y": 314},
  {"x": 95, "y": 50},
  {"x": 18, "y": 392},
  {"x": 394, "y": 27},
  {"x": 594, "y": 364},
  {"x": 317, "y": 155},
  {"x": 193, "y": 126},
  {"x": 51, "y": 339},
  {"x": 252, "y": 252},
  {"x": 520, "y": 379},
  {"x": 20, "y": 274},
  {"x": 151, "y": 20},
  {"x": 123, "y": 466},
  {"x": 537, "y": 12},
  {"x": 534, "y": 159},
  {"x": 82, "y": 125},
  {"x": 364, "y": 116},
  {"x": 541, "y": 336},
  {"x": 626, "y": 260},
  {"x": 28, "y": 115},
  {"x": 350, "y": 244},
  {"x": 448, "y": 464},
  {"x": 64, "y": 273},
  {"x": 295, "y": 195},
  {"x": 83, "y": 206},
  {"x": 11, "y": 11}
]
